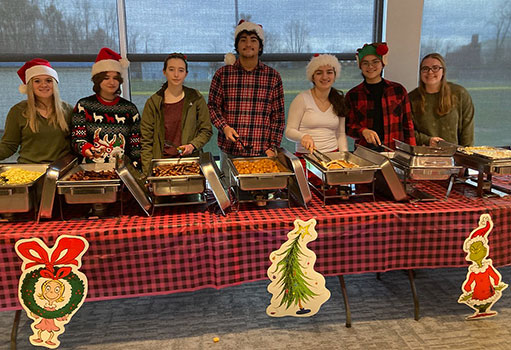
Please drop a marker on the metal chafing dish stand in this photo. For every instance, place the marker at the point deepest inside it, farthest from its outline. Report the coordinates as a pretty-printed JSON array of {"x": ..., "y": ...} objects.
[
  {"x": 486, "y": 167},
  {"x": 188, "y": 189},
  {"x": 271, "y": 187},
  {"x": 343, "y": 180},
  {"x": 23, "y": 197},
  {"x": 95, "y": 192},
  {"x": 425, "y": 163}
]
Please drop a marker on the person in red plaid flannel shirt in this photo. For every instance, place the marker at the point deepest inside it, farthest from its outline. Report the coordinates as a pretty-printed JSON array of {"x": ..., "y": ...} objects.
[
  {"x": 380, "y": 110},
  {"x": 246, "y": 99}
]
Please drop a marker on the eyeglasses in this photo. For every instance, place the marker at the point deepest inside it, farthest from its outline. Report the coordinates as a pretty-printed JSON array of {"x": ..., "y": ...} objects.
[
  {"x": 373, "y": 63},
  {"x": 434, "y": 69}
]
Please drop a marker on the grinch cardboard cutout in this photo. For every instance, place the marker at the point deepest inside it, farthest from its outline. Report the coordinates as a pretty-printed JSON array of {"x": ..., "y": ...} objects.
[
  {"x": 297, "y": 289},
  {"x": 51, "y": 289},
  {"x": 483, "y": 285}
]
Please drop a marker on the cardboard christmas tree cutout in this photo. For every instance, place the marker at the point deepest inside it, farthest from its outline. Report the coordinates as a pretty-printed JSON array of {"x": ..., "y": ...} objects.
[
  {"x": 297, "y": 289},
  {"x": 483, "y": 285},
  {"x": 51, "y": 288}
]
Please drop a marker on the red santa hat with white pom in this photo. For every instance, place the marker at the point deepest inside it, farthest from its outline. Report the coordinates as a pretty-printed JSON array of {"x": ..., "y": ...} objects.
[
  {"x": 109, "y": 61},
  {"x": 243, "y": 25},
  {"x": 32, "y": 68},
  {"x": 480, "y": 234}
]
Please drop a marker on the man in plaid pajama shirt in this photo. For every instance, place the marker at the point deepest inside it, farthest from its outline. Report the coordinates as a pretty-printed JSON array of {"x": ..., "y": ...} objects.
[
  {"x": 246, "y": 99},
  {"x": 380, "y": 110}
]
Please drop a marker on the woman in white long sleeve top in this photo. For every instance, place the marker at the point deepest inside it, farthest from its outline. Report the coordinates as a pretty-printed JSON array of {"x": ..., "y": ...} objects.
[{"x": 316, "y": 118}]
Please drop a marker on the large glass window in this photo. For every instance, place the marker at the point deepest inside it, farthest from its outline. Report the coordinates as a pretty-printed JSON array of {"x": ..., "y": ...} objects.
[
  {"x": 474, "y": 38},
  {"x": 208, "y": 26}
]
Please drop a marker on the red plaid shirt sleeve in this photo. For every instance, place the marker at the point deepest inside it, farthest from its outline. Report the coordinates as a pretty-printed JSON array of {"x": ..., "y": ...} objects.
[
  {"x": 251, "y": 102},
  {"x": 397, "y": 114}
]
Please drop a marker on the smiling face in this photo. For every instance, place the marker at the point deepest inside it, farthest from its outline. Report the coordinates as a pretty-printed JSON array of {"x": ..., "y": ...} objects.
[
  {"x": 324, "y": 77},
  {"x": 371, "y": 67},
  {"x": 477, "y": 251},
  {"x": 248, "y": 45},
  {"x": 52, "y": 290},
  {"x": 429, "y": 77},
  {"x": 109, "y": 85},
  {"x": 175, "y": 72},
  {"x": 42, "y": 85}
]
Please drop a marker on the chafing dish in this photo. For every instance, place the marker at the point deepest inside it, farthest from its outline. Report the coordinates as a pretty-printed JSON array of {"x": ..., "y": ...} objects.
[
  {"x": 261, "y": 188},
  {"x": 179, "y": 184},
  {"x": 133, "y": 180},
  {"x": 425, "y": 163},
  {"x": 342, "y": 180},
  {"x": 261, "y": 181},
  {"x": 23, "y": 197},
  {"x": 493, "y": 161},
  {"x": 363, "y": 173},
  {"x": 89, "y": 191},
  {"x": 189, "y": 189}
]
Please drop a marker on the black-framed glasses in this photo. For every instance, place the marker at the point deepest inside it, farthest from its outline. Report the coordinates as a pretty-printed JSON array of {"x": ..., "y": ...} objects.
[{"x": 434, "y": 69}]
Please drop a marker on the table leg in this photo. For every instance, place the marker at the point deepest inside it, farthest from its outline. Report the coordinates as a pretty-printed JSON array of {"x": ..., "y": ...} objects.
[
  {"x": 414, "y": 294},
  {"x": 346, "y": 302},
  {"x": 14, "y": 331}
]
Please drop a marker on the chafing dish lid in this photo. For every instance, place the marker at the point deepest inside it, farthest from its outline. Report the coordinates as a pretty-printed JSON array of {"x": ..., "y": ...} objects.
[
  {"x": 132, "y": 178},
  {"x": 211, "y": 172},
  {"x": 299, "y": 187},
  {"x": 444, "y": 150},
  {"x": 54, "y": 171}
]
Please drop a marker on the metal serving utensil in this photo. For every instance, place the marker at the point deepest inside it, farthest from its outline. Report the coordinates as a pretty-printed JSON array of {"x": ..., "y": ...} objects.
[
  {"x": 245, "y": 146},
  {"x": 321, "y": 155}
]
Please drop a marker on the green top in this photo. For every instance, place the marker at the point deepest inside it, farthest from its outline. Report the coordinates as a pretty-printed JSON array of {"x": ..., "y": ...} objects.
[
  {"x": 45, "y": 146},
  {"x": 456, "y": 127},
  {"x": 195, "y": 125}
]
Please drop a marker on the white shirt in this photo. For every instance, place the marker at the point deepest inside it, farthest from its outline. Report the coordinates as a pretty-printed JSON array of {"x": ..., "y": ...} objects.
[{"x": 326, "y": 128}]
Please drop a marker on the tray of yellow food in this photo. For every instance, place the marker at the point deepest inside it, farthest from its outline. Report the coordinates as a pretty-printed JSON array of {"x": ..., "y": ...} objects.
[
  {"x": 487, "y": 152},
  {"x": 259, "y": 173},
  {"x": 343, "y": 169},
  {"x": 18, "y": 183}
]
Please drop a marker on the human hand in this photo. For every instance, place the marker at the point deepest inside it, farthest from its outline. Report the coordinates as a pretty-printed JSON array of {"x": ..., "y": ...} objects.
[
  {"x": 371, "y": 136},
  {"x": 230, "y": 133},
  {"x": 270, "y": 153},
  {"x": 307, "y": 142},
  {"x": 186, "y": 149},
  {"x": 433, "y": 141}
]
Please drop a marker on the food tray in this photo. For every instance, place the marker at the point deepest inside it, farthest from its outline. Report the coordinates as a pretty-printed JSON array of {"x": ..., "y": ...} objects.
[
  {"x": 176, "y": 185},
  {"x": 20, "y": 198},
  {"x": 364, "y": 173},
  {"x": 262, "y": 181},
  {"x": 89, "y": 191}
]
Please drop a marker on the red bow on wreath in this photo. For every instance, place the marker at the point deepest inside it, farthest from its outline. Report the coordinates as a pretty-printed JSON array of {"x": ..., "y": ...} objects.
[{"x": 73, "y": 247}]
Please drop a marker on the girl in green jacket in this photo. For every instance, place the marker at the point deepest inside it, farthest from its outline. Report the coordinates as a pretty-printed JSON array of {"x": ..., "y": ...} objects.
[{"x": 175, "y": 121}]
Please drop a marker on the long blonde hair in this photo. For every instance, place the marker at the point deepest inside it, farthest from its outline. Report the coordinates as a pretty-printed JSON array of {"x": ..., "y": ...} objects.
[
  {"x": 447, "y": 99},
  {"x": 56, "y": 116}
]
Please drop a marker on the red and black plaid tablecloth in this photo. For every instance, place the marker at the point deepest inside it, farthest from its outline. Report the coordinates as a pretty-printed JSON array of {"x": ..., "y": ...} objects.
[{"x": 184, "y": 249}]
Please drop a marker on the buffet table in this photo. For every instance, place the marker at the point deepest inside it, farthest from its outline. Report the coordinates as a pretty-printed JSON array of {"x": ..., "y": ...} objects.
[{"x": 188, "y": 248}]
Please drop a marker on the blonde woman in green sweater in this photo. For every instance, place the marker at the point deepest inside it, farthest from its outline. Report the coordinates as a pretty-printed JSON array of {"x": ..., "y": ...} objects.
[
  {"x": 441, "y": 110},
  {"x": 39, "y": 125}
]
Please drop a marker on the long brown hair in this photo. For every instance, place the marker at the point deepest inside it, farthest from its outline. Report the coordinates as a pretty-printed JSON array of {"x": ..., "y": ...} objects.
[
  {"x": 56, "y": 115},
  {"x": 447, "y": 99},
  {"x": 99, "y": 77},
  {"x": 338, "y": 102}
]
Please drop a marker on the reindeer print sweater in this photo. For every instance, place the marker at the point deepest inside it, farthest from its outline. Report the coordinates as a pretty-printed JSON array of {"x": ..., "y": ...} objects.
[{"x": 110, "y": 127}]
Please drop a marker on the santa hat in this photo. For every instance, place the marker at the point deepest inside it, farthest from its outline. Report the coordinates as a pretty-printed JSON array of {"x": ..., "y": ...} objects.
[
  {"x": 30, "y": 69},
  {"x": 322, "y": 60},
  {"x": 109, "y": 61},
  {"x": 379, "y": 50},
  {"x": 481, "y": 233},
  {"x": 244, "y": 26}
]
